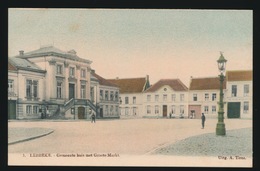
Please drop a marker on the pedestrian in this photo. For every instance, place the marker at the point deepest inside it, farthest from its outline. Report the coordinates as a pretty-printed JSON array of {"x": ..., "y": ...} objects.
[
  {"x": 93, "y": 117},
  {"x": 203, "y": 119},
  {"x": 170, "y": 115}
]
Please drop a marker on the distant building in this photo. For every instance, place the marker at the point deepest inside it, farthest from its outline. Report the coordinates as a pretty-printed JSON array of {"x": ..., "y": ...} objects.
[
  {"x": 12, "y": 90},
  {"x": 105, "y": 95},
  {"x": 166, "y": 98},
  {"x": 239, "y": 95},
  {"x": 131, "y": 95},
  {"x": 204, "y": 96}
]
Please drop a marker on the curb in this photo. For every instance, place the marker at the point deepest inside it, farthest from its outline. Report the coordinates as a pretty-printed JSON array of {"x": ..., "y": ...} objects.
[{"x": 31, "y": 138}]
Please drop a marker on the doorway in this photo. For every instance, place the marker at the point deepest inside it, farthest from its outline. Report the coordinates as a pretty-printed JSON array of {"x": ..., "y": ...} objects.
[
  {"x": 81, "y": 112},
  {"x": 71, "y": 91},
  {"x": 233, "y": 110},
  {"x": 11, "y": 109},
  {"x": 164, "y": 110},
  {"x": 101, "y": 112}
]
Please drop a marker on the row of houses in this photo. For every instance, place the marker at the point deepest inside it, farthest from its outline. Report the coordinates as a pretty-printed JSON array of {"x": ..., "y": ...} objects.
[
  {"x": 171, "y": 98},
  {"x": 50, "y": 83}
]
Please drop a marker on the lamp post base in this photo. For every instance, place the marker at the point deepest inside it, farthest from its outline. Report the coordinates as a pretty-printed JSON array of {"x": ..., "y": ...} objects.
[{"x": 221, "y": 130}]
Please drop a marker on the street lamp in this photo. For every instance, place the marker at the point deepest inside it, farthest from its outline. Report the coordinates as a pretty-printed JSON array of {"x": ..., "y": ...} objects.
[{"x": 220, "y": 129}]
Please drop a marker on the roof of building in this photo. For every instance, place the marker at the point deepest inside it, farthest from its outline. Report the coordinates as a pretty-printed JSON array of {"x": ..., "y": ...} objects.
[
  {"x": 24, "y": 64},
  {"x": 103, "y": 81},
  {"x": 53, "y": 51},
  {"x": 246, "y": 75},
  {"x": 130, "y": 85},
  {"x": 11, "y": 66},
  {"x": 175, "y": 84},
  {"x": 210, "y": 83}
]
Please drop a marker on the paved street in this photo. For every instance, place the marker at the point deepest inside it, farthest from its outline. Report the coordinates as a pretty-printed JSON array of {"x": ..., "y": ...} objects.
[
  {"x": 118, "y": 143},
  {"x": 138, "y": 136}
]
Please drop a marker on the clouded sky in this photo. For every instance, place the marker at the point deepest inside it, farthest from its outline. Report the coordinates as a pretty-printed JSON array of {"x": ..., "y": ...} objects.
[{"x": 128, "y": 43}]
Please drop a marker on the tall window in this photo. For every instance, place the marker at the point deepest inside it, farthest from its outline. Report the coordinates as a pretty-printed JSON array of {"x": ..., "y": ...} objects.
[
  {"x": 101, "y": 95},
  {"x": 126, "y": 111},
  {"x": 156, "y": 97},
  {"x": 126, "y": 100},
  {"x": 116, "y": 96},
  {"x": 83, "y": 73},
  {"x": 116, "y": 110},
  {"x": 181, "y": 109},
  {"x": 72, "y": 71},
  {"x": 214, "y": 109},
  {"x": 106, "y": 95},
  {"x": 106, "y": 110},
  {"x": 10, "y": 85},
  {"x": 134, "y": 100},
  {"x": 111, "y": 110},
  {"x": 111, "y": 95},
  {"x": 165, "y": 97},
  {"x": 206, "y": 97},
  {"x": 156, "y": 109},
  {"x": 195, "y": 98},
  {"x": 134, "y": 110},
  {"x": 246, "y": 107},
  {"x": 234, "y": 90},
  {"x": 148, "y": 98},
  {"x": 173, "y": 109},
  {"x": 28, "y": 109},
  {"x": 182, "y": 97},
  {"x": 246, "y": 89},
  {"x": 214, "y": 96},
  {"x": 92, "y": 94},
  {"x": 206, "y": 109},
  {"x": 148, "y": 109},
  {"x": 59, "y": 69},
  {"x": 31, "y": 88},
  {"x": 120, "y": 100},
  {"x": 35, "y": 109},
  {"x": 83, "y": 91},
  {"x": 59, "y": 90},
  {"x": 173, "y": 97}
]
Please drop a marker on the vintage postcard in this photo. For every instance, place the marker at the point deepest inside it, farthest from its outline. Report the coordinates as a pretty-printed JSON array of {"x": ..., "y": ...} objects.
[{"x": 130, "y": 87}]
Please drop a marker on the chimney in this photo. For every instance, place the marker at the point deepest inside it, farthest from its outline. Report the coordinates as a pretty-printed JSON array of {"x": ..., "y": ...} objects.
[
  {"x": 72, "y": 51},
  {"x": 117, "y": 78},
  {"x": 21, "y": 52},
  {"x": 147, "y": 78}
]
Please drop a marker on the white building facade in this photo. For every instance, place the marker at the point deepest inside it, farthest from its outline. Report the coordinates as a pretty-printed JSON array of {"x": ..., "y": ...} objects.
[
  {"x": 166, "y": 98},
  {"x": 204, "y": 97},
  {"x": 131, "y": 95},
  {"x": 53, "y": 83},
  {"x": 105, "y": 95},
  {"x": 239, "y": 95}
]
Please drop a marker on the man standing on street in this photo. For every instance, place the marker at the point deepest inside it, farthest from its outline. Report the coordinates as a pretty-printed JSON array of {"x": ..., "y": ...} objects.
[
  {"x": 93, "y": 117},
  {"x": 203, "y": 118}
]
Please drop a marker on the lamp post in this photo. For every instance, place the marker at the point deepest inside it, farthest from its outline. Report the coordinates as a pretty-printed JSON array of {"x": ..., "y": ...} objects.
[{"x": 220, "y": 129}]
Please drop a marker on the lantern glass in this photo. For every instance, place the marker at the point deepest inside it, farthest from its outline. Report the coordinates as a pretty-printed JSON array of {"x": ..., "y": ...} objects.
[{"x": 221, "y": 63}]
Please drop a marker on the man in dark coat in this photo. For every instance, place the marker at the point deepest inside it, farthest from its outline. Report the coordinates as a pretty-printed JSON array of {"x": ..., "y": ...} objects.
[{"x": 203, "y": 119}]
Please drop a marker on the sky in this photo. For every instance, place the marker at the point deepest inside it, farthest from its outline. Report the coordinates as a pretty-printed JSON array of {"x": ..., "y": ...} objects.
[{"x": 133, "y": 43}]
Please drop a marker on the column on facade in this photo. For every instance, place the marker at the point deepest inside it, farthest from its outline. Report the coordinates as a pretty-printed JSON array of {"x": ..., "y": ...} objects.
[
  {"x": 78, "y": 84},
  {"x": 52, "y": 63},
  {"x": 66, "y": 81},
  {"x": 88, "y": 83}
]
